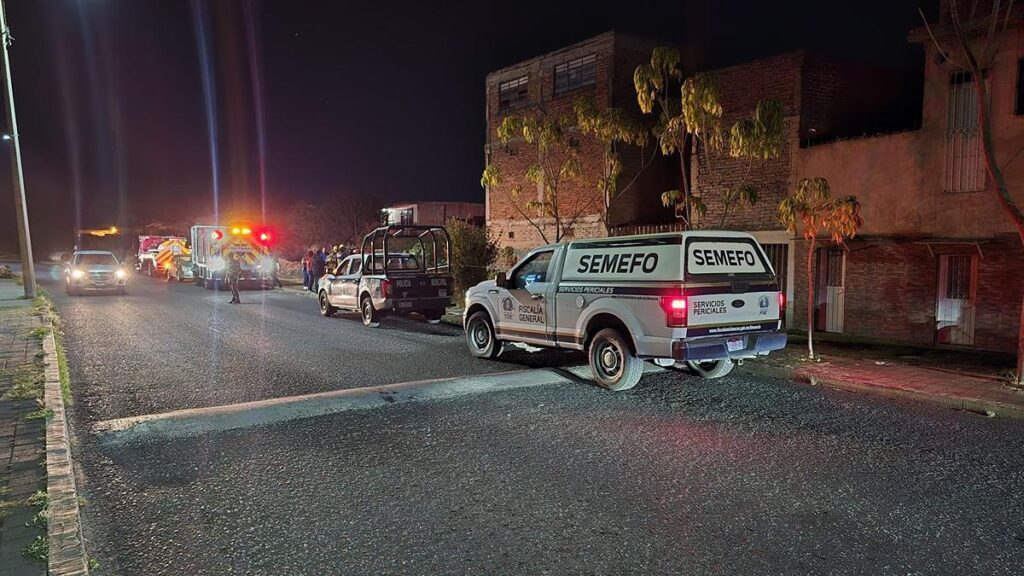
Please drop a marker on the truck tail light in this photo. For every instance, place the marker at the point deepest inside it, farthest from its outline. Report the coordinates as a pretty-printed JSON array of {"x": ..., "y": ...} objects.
[
  {"x": 782, "y": 304},
  {"x": 675, "y": 308},
  {"x": 385, "y": 288}
]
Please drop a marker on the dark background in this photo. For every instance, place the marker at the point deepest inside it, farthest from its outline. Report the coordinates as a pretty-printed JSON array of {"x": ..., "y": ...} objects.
[{"x": 374, "y": 98}]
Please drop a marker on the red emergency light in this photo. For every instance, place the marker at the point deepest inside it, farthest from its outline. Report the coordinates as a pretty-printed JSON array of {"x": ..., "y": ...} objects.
[{"x": 217, "y": 235}]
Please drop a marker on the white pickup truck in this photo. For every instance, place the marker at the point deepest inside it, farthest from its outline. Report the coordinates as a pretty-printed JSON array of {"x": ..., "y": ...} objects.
[{"x": 700, "y": 299}]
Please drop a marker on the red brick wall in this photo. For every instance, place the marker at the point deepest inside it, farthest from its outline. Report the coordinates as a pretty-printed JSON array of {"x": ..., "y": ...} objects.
[
  {"x": 891, "y": 286},
  {"x": 741, "y": 88}
]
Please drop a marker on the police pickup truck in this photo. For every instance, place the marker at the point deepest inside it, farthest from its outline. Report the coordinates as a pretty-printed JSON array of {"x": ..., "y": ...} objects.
[
  {"x": 700, "y": 299},
  {"x": 400, "y": 269}
]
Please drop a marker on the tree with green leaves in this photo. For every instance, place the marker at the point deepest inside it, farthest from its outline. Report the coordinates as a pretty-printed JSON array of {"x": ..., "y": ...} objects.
[
  {"x": 693, "y": 120},
  {"x": 555, "y": 162},
  {"x": 615, "y": 131},
  {"x": 473, "y": 251},
  {"x": 971, "y": 44},
  {"x": 812, "y": 209}
]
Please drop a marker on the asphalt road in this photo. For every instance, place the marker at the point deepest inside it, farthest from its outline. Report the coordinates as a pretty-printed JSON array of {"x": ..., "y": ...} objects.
[
  {"x": 170, "y": 346},
  {"x": 677, "y": 476},
  {"x": 740, "y": 476}
]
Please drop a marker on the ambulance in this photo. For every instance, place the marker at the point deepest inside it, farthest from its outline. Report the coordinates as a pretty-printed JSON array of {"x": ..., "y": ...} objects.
[
  {"x": 700, "y": 301},
  {"x": 212, "y": 245},
  {"x": 156, "y": 253}
]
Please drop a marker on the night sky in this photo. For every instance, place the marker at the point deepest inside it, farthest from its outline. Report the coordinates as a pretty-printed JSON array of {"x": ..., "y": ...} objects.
[{"x": 375, "y": 98}]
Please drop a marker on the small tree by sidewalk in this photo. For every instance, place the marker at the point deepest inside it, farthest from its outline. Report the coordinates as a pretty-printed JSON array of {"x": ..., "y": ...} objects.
[
  {"x": 554, "y": 155},
  {"x": 813, "y": 209}
]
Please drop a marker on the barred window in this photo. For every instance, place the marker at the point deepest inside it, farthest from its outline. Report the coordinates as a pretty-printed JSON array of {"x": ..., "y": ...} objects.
[
  {"x": 964, "y": 170},
  {"x": 575, "y": 74},
  {"x": 513, "y": 93}
]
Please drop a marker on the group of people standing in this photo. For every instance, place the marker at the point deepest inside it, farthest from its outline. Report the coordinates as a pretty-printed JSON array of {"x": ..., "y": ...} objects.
[{"x": 314, "y": 265}]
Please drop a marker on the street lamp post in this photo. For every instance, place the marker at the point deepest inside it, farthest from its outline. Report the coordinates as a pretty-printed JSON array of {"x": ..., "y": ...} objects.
[{"x": 28, "y": 270}]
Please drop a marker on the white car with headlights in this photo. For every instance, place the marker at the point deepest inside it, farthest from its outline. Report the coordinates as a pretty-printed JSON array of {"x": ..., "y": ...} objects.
[
  {"x": 95, "y": 271},
  {"x": 700, "y": 300}
]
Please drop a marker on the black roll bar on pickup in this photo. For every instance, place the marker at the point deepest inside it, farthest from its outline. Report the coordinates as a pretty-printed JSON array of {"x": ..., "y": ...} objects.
[{"x": 417, "y": 231}]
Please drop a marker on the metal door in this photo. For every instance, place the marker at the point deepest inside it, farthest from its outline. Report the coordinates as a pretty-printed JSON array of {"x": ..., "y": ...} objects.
[
  {"x": 830, "y": 297},
  {"x": 778, "y": 254},
  {"x": 955, "y": 297}
]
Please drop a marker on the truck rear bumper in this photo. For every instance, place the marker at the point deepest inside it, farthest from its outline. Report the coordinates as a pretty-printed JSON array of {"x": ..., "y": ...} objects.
[
  {"x": 416, "y": 304},
  {"x": 717, "y": 348}
]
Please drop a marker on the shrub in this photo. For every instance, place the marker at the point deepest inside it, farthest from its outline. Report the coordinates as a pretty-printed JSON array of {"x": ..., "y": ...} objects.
[{"x": 473, "y": 252}]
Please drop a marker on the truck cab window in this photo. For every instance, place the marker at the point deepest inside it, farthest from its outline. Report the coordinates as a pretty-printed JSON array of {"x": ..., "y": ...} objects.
[{"x": 533, "y": 270}]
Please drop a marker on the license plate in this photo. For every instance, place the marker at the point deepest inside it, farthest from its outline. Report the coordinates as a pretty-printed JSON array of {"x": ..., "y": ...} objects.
[
  {"x": 100, "y": 284},
  {"x": 405, "y": 304},
  {"x": 734, "y": 344}
]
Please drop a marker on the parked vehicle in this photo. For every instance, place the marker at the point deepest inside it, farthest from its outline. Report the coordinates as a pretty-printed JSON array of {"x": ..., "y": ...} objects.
[
  {"x": 94, "y": 270},
  {"x": 180, "y": 269},
  {"x": 401, "y": 269},
  {"x": 211, "y": 246},
  {"x": 701, "y": 300}
]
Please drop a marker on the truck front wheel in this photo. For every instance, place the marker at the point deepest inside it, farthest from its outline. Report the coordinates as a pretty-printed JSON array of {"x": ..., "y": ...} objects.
[
  {"x": 370, "y": 316},
  {"x": 326, "y": 308},
  {"x": 712, "y": 369},
  {"x": 480, "y": 336},
  {"x": 612, "y": 362}
]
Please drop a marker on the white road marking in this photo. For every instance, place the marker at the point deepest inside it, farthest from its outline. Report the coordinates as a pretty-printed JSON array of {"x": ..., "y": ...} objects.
[{"x": 194, "y": 421}]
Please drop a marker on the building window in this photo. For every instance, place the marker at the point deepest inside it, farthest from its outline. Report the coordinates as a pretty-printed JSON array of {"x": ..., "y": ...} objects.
[
  {"x": 964, "y": 169},
  {"x": 575, "y": 74},
  {"x": 1018, "y": 107},
  {"x": 513, "y": 93}
]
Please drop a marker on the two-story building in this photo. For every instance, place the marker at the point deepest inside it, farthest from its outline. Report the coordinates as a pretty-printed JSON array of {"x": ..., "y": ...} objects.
[
  {"x": 937, "y": 261},
  {"x": 600, "y": 68}
]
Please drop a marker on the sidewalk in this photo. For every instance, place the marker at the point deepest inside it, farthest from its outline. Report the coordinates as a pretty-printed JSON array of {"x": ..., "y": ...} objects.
[
  {"x": 22, "y": 440},
  {"x": 960, "y": 382}
]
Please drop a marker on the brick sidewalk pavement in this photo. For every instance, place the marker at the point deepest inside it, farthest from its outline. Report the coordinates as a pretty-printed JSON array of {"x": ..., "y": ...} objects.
[
  {"x": 22, "y": 441},
  {"x": 876, "y": 372}
]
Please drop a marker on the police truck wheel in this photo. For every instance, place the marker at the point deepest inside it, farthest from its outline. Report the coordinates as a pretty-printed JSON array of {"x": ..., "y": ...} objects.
[
  {"x": 370, "y": 316},
  {"x": 480, "y": 336},
  {"x": 326, "y": 309},
  {"x": 612, "y": 362},
  {"x": 713, "y": 369}
]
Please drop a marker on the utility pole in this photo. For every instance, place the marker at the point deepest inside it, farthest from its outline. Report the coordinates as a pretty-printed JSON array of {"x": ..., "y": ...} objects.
[{"x": 28, "y": 269}]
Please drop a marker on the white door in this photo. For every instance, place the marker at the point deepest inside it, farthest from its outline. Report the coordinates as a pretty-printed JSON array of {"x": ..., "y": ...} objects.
[
  {"x": 955, "y": 298},
  {"x": 521, "y": 307},
  {"x": 831, "y": 305}
]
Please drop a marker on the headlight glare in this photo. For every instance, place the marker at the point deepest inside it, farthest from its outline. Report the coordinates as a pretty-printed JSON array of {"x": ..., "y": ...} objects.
[
  {"x": 77, "y": 274},
  {"x": 121, "y": 274}
]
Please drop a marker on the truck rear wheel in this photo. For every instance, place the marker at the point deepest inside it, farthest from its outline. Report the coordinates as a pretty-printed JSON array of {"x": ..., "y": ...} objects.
[
  {"x": 326, "y": 308},
  {"x": 370, "y": 316},
  {"x": 713, "y": 369},
  {"x": 612, "y": 362},
  {"x": 480, "y": 336}
]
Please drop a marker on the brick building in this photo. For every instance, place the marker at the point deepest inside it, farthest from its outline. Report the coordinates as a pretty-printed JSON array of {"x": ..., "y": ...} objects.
[
  {"x": 937, "y": 261},
  {"x": 602, "y": 68}
]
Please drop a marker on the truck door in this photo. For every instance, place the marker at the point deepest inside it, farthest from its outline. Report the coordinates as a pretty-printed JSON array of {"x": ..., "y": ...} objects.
[
  {"x": 521, "y": 306},
  {"x": 350, "y": 282},
  {"x": 335, "y": 282}
]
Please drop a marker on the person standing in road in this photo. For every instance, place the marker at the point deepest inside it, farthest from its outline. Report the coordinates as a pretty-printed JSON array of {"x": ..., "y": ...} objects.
[
  {"x": 233, "y": 275},
  {"x": 319, "y": 267},
  {"x": 275, "y": 274},
  {"x": 307, "y": 270}
]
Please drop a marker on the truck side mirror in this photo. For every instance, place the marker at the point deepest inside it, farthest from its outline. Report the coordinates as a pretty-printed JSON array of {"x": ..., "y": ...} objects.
[{"x": 500, "y": 280}]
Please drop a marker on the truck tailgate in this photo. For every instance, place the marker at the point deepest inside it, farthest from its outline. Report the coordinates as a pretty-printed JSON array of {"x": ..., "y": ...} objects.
[{"x": 728, "y": 309}]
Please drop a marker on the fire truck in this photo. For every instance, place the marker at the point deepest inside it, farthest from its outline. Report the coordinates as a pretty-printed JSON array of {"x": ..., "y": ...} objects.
[
  {"x": 213, "y": 245},
  {"x": 156, "y": 253}
]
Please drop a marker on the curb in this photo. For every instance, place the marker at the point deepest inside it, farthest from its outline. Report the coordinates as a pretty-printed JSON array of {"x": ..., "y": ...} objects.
[
  {"x": 64, "y": 528},
  {"x": 195, "y": 421},
  {"x": 996, "y": 408}
]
